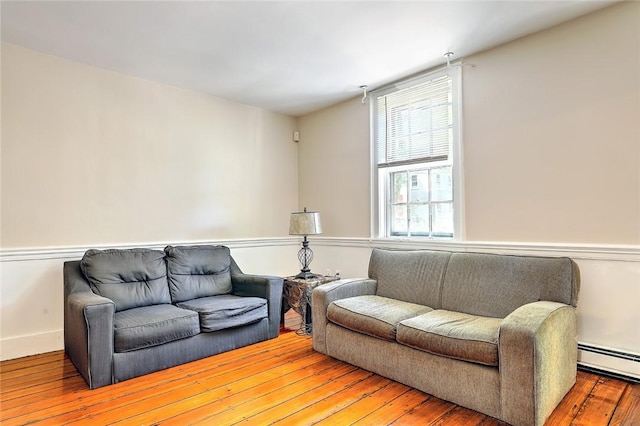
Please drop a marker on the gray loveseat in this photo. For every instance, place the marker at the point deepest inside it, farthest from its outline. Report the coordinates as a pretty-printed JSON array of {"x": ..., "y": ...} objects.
[
  {"x": 132, "y": 312},
  {"x": 493, "y": 333}
]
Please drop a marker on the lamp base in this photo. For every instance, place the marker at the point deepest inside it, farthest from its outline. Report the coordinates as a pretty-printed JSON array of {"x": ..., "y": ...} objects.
[
  {"x": 305, "y": 256},
  {"x": 306, "y": 275}
]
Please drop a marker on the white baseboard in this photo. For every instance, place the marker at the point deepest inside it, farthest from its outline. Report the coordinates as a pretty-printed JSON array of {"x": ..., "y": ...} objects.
[
  {"x": 619, "y": 363},
  {"x": 33, "y": 344}
]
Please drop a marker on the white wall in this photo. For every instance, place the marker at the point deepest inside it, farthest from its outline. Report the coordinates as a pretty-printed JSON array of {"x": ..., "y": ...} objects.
[
  {"x": 93, "y": 157},
  {"x": 551, "y": 141},
  {"x": 552, "y": 134},
  {"x": 334, "y": 167}
]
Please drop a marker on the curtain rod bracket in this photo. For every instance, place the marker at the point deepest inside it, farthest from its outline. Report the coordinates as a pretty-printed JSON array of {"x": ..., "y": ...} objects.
[
  {"x": 364, "y": 93},
  {"x": 448, "y": 55}
]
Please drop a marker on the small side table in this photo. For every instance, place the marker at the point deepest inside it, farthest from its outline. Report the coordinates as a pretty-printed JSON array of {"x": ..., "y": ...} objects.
[{"x": 296, "y": 294}]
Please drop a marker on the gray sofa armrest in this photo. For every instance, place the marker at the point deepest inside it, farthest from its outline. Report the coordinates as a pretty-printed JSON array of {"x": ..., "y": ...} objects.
[
  {"x": 324, "y": 294},
  {"x": 538, "y": 351},
  {"x": 265, "y": 286},
  {"x": 88, "y": 328}
]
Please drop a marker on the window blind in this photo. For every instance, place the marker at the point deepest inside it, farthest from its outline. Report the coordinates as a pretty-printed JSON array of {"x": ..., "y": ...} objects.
[{"x": 415, "y": 124}]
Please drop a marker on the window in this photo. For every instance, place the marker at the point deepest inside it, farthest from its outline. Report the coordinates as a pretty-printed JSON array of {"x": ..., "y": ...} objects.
[{"x": 415, "y": 145}]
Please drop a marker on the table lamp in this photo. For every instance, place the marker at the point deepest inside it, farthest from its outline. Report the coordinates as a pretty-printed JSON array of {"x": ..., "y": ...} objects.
[{"x": 305, "y": 223}]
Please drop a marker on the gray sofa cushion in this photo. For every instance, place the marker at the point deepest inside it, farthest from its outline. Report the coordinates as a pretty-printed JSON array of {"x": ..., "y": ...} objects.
[
  {"x": 474, "y": 282},
  {"x": 152, "y": 325},
  {"x": 198, "y": 271},
  {"x": 411, "y": 276},
  {"x": 453, "y": 334},
  {"x": 131, "y": 278},
  {"x": 226, "y": 311},
  {"x": 373, "y": 315}
]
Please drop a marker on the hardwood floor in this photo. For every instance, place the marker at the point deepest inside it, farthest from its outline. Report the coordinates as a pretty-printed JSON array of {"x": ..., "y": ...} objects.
[{"x": 281, "y": 381}]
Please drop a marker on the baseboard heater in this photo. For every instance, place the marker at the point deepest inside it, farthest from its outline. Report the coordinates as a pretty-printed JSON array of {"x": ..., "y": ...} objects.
[{"x": 612, "y": 353}]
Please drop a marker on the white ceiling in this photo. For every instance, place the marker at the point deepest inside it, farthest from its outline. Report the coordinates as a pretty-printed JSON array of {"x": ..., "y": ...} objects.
[{"x": 290, "y": 57}]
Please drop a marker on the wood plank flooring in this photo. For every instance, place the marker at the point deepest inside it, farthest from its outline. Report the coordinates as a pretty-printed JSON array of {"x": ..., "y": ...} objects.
[{"x": 281, "y": 381}]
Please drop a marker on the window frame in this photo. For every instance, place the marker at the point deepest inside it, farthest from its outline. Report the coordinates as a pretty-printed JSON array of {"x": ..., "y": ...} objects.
[
  {"x": 380, "y": 176},
  {"x": 387, "y": 175}
]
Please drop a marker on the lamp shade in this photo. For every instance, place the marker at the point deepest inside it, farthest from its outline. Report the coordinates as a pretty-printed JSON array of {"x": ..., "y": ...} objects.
[{"x": 305, "y": 223}]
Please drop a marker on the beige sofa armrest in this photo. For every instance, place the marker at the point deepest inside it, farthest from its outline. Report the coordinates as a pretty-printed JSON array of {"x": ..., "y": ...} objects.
[
  {"x": 538, "y": 352},
  {"x": 324, "y": 294}
]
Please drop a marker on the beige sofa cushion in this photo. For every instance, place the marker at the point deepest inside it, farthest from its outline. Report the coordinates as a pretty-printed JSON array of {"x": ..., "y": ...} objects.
[
  {"x": 453, "y": 334},
  {"x": 413, "y": 276},
  {"x": 373, "y": 315},
  {"x": 493, "y": 285}
]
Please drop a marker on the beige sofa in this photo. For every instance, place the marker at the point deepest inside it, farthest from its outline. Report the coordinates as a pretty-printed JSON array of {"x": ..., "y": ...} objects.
[{"x": 493, "y": 333}]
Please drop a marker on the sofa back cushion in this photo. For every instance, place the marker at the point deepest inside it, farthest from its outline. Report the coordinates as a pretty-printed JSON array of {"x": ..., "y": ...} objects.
[
  {"x": 413, "y": 276},
  {"x": 198, "y": 271},
  {"x": 131, "y": 278},
  {"x": 495, "y": 285}
]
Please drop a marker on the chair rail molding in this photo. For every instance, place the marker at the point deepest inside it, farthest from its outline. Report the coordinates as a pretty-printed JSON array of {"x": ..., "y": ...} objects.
[
  {"x": 72, "y": 252},
  {"x": 628, "y": 253}
]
